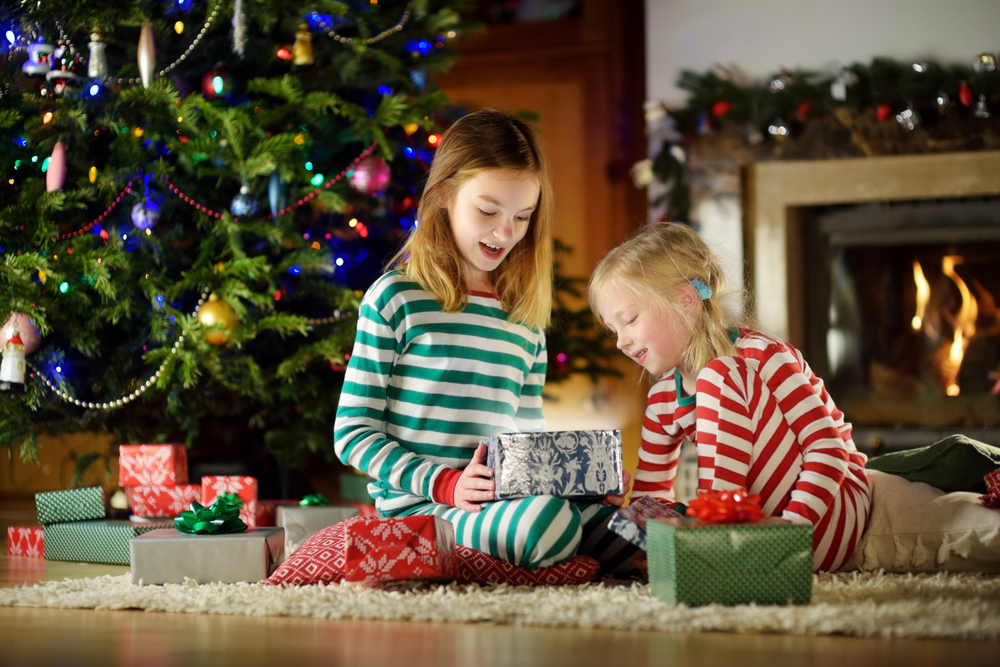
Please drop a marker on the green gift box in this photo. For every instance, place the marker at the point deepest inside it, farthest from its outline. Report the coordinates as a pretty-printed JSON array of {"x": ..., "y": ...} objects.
[
  {"x": 354, "y": 488},
  {"x": 695, "y": 563},
  {"x": 105, "y": 541},
  {"x": 70, "y": 505}
]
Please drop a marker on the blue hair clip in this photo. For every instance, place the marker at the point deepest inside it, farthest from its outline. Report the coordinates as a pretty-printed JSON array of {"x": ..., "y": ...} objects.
[{"x": 703, "y": 290}]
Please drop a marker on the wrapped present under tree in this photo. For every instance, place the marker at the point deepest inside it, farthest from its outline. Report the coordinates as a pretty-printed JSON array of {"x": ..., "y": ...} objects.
[
  {"x": 102, "y": 541},
  {"x": 70, "y": 505},
  {"x": 169, "y": 556},
  {"x": 26, "y": 541},
  {"x": 152, "y": 465},
  {"x": 399, "y": 548}
]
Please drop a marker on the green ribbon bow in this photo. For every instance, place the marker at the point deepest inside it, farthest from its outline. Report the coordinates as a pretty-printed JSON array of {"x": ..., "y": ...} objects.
[
  {"x": 314, "y": 500},
  {"x": 231, "y": 498},
  {"x": 222, "y": 517}
]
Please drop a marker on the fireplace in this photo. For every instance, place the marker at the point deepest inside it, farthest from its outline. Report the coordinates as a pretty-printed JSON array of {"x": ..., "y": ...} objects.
[{"x": 886, "y": 273}]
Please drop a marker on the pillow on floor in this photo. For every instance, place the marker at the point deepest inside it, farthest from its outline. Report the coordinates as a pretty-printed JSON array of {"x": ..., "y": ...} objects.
[
  {"x": 322, "y": 558},
  {"x": 956, "y": 463},
  {"x": 915, "y": 527}
]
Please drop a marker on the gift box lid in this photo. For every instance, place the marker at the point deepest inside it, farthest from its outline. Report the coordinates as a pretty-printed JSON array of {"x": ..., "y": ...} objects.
[
  {"x": 168, "y": 556},
  {"x": 695, "y": 563},
  {"x": 556, "y": 463},
  {"x": 70, "y": 505}
]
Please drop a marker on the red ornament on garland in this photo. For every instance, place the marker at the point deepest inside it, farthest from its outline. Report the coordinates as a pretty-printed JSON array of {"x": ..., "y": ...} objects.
[
  {"x": 803, "y": 109},
  {"x": 720, "y": 108},
  {"x": 371, "y": 176},
  {"x": 883, "y": 111},
  {"x": 965, "y": 94}
]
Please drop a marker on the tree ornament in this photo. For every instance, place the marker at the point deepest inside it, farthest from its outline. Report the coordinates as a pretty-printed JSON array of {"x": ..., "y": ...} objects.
[
  {"x": 146, "y": 213},
  {"x": 965, "y": 94},
  {"x": 981, "y": 111},
  {"x": 985, "y": 62},
  {"x": 55, "y": 176},
  {"x": 23, "y": 325},
  {"x": 215, "y": 82},
  {"x": 12, "y": 367},
  {"x": 239, "y": 28},
  {"x": 219, "y": 314},
  {"x": 883, "y": 111},
  {"x": 302, "y": 50},
  {"x": 146, "y": 54},
  {"x": 97, "y": 66},
  {"x": 371, "y": 176},
  {"x": 39, "y": 58},
  {"x": 284, "y": 52},
  {"x": 720, "y": 108},
  {"x": 943, "y": 101},
  {"x": 908, "y": 118},
  {"x": 276, "y": 195},
  {"x": 778, "y": 84},
  {"x": 243, "y": 205},
  {"x": 779, "y": 130},
  {"x": 61, "y": 74}
]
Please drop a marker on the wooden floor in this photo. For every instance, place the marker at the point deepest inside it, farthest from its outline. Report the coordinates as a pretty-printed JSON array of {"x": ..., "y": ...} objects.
[{"x": 83, "y": 637}]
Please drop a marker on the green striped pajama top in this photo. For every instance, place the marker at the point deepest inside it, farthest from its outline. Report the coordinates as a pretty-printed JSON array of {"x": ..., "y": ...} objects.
[{"x": 423, "y": 387}]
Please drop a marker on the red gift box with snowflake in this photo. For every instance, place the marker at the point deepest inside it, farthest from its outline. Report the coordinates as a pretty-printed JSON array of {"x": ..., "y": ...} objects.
[
  {"x": 411, "y": 547},
  {"x": 158, "y": 501},
  {"x": 244, "y": 487},
  {"x": 26, "y": 541},
  {"x": 152, "y": 465}
]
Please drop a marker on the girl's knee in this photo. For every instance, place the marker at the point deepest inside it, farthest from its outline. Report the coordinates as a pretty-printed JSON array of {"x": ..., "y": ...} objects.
[{"x": 548, "y": 533}]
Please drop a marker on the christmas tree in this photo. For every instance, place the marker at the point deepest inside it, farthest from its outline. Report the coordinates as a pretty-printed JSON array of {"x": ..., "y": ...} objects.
[{"x": 195, "y": 195}]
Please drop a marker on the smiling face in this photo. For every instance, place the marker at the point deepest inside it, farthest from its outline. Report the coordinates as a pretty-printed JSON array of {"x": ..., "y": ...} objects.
[
  {"x": 489, "y": 216},
  {"x": 649, "y": 333}
]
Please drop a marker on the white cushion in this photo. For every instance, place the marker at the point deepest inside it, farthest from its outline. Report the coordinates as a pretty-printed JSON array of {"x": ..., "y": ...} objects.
[{"x": 915, "y": 527}]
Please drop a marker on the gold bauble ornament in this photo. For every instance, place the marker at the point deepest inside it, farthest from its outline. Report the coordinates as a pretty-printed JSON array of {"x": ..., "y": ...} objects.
[{"x": 217, "y": 313}]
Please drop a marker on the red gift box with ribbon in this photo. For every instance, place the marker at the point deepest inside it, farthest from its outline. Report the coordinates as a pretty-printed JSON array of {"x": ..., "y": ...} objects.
[
  {"x": 26, "y": 541},
  {"x": 160, "y": 501},
  {"x": 410, "y": 547},
  {"x": 152, "y": 465},
  {"x": 244, "y": 487}
]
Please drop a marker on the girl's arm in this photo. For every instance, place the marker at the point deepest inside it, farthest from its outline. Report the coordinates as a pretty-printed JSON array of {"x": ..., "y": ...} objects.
[
  {"x": 660, "y": 450},
  {"x": 817, "y": 423},
  {"x": 359, "y": 440}
]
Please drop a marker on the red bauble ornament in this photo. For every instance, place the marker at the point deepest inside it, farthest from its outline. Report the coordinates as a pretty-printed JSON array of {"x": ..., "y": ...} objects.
[
  {"x": 804, "y": 109},
  {"x": 965, "y": 94},
  {"x": 284, "y": 53},
  {"x": 720, "y": 108},
  {"x": 371, "y": 176},
  {"x": 883, "y": 111},
  {"x": 215, "y": 83}
]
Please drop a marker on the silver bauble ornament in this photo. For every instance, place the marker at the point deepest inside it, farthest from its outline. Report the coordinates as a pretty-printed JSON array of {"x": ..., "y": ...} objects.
[{"x": 243, "y": 205}]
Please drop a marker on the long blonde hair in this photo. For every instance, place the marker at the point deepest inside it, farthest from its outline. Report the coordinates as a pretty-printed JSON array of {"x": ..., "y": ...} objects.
[
  {"x": 487, "y": 139},
  {"x": 655, "y": 264}
]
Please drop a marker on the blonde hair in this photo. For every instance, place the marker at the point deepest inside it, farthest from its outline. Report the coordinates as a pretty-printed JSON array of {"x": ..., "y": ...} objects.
[
  {"x": 487, "y": 139},
  {"x": 655, "y": 264}
]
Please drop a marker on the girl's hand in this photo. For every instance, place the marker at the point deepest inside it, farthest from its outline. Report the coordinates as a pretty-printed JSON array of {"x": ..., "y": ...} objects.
[
  {"x": 475, "y": 485},
  {"x": 620, "y": 500}
]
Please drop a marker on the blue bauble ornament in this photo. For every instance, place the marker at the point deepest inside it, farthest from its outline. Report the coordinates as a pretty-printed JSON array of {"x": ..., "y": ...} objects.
[
  {"x": 145, "y": 214},
  {"x": 276, "y": 195},
  {"x": 243, "y": 205}
]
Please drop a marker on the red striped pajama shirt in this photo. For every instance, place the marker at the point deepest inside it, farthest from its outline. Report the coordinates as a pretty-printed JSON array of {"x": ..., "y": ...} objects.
[{"x": 762, "y": 420}]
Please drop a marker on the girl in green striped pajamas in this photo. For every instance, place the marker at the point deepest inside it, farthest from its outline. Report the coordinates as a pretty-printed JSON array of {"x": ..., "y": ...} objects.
[{"x": 450, "y": 349}]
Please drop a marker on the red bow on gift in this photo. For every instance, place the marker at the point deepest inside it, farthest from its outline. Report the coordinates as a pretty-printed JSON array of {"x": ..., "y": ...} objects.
[{"x": 732, "y": 506}]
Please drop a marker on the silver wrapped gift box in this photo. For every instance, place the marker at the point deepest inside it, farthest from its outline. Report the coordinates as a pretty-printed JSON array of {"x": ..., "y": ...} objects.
[
  {"x": 168, "y": 556},
  {"x": 300, "y": 523},
  {"x": 568, "y": 464}
]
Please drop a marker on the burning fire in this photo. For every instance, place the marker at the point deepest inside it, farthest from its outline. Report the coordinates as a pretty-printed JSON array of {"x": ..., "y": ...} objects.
[{"x": 963, "y": 322}]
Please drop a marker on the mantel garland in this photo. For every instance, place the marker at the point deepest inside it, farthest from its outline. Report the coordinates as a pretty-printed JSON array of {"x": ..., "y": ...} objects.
[{"x": 886, "y": 107}]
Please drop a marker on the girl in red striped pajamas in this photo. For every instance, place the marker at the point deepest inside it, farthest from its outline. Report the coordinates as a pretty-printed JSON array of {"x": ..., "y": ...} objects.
[{"x": 757, "y": 414}]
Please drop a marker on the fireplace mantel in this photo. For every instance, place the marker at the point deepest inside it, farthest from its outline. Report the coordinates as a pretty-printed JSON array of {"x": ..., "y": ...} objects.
[{"x": 776, "y": 194}]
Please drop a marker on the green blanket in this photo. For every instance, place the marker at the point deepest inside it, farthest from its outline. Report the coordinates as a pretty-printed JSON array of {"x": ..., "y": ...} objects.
[{"x": 956, "y": 463}]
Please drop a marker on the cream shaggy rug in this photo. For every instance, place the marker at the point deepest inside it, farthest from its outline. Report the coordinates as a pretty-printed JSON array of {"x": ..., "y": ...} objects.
[{"x": 941, "y": 606}]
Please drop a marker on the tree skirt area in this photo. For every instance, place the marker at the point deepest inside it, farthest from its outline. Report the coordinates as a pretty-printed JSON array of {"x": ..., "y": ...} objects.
[{"x": 940, "y": 606}]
